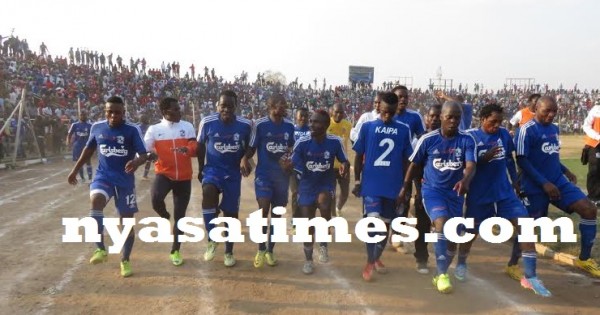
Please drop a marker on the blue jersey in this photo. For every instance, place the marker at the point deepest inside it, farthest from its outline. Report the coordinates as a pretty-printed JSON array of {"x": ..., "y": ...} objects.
[
  {"x": 300, "y": 132},
  {"x": 386, "y": 147},
  {"x": 80, "y": 131},
  {"x": 491, "y": 183},
  {"x": 541, "y": 146},
  {"x": 116, "y": 146},
  {"x": 443, "y": 159},
  {"x": 225, "y": 143},
  {"x": 414, "y": 121},
  {"x": 314, "y": 161},
  {"x": 466, "y": 117},
  {"x": 271, "y": 140}
]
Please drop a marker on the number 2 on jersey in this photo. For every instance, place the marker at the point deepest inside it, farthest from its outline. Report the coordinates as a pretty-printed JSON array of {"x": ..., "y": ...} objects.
[{"x": 381, "y": 159}]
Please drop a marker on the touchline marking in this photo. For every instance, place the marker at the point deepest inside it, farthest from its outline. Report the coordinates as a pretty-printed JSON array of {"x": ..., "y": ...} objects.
[
  {"x": 10, "y": 226},
  {"x": 26, "y": 187},
  {"x": 346, "y": 285},
  {"x": 9, "y": 199},
  {"x": 206, "y": 294},
  {"x": 66, "y": 278},
  {"x": 502, "y": 296}
]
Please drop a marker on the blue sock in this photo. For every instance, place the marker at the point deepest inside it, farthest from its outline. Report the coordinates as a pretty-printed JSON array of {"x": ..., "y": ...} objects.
[
  {"x": 81, "y": 173},
  {"x": 128, "y": 246},
  {"x": 441, "y": 250},
  {"x": 263, "y": 246},
  {"x": 587, "y": 229},
  {"x": 515, "y": 254},
  {"x": 371, "y": 249},
  {"x": 208, "y": 215},
  {"x": 529, "y": 263},
  {"x": 371, "y": 252},
  {"x": 89, "y": 171},
  {"x": 228, "y": 245},
  {"x": 99, "y": 217},
  {"x": 308, "y": 251},
  {"x": 380, "y": 246},
  {"x": 462, "y": 258},
  {"x": 271, "y": 243}
]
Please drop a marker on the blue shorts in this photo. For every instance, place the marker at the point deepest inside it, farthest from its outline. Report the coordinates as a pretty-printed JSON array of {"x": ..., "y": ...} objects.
[
  {"x": 439, "y": 203},
  {"x": 274, "y": 189},
  {"x": 308, "y": 196},
  {"x": 509, "y": 208},
  {"x": 381, "y": 207},
  {"x": 229, "y": 186},
  {"x": 538, "y": 203},
  {"x": 77, "y": 150},
  {"x": 125, "y": 199}
]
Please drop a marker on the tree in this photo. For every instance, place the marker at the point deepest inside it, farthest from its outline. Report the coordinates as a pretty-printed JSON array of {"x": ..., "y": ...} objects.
[{"x": 274, "y": 77}]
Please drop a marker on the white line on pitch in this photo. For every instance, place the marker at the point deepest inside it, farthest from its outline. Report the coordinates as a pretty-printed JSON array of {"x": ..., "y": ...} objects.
[
  {"x": 66, "y": 278},
  {"x": 501, "y": 295},
  {"x": 206, "y": 294}
]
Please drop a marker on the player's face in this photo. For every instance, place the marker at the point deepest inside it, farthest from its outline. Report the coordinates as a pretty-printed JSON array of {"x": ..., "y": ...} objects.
[
  {"x": 338, "y": 113},
  {"x": 491, "y": 124},
  {"x": 376, "y": 103},
  {"x": 278, "y": 111},
  {"x": 114, "y": 114},
  {"x": 546, "y": 111},
  {"x": 226, "y": 108},
  {"x": 83, "y": 117},
  {"x": 318, "y": 124},
  {"x": 386, "y": 112},
  {"x": 432, "y": 120},
  {"x": 173, "y": 113},
  {"x": 450, "y": 120},
  {"x": 402, "y": 99},
  {"x": 301, "y": 118}
]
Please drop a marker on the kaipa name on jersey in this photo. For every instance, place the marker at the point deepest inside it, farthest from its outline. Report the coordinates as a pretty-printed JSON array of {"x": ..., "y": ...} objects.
[
  {"x": 444, "y": 165},
  {"x": 386, "y": 130},
  {"x": 317, "y": 166},
  {"x": 226, "y": 147},
  {"x": 109, "y": 151},
  {"x": 274, "y": 147},
  {"x": 550, "y": 148}
]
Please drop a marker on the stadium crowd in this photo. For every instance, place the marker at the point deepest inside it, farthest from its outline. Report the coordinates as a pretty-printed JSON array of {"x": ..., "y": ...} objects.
[{"x": 56, "y": 84}]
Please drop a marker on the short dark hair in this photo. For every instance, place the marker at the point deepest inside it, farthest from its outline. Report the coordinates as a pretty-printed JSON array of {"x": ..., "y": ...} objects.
[
  {"x": 229, "y": 93},
  {"x": 324, "y": 113},
  {"x": 115, "y": 100},
  {"x": 533, "y": 96},
  {"x": 166, "y": 102},
  {"x": 487, "y": 110},
  {"x": 434, "y": 106},
  {"x": 399, "y": 87},
  {"x": 275, "y": 99},
  {"x": 390, "y": 98},
  {"x": 302, "y": 109}
]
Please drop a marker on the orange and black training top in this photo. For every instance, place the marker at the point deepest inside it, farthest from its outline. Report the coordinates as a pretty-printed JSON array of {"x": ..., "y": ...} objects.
[{"x": 167, "y": 139}]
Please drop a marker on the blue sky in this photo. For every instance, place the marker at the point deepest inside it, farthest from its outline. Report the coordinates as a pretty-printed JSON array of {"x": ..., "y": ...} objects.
[{"x": 485, "y": 41}]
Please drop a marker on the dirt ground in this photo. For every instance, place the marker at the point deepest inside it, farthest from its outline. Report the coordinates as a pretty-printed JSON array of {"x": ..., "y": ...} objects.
[{"x": 42, "y": 275}]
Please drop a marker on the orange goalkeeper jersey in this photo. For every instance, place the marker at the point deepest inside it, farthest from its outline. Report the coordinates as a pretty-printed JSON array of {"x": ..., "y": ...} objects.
[{"x": 170, "y": 141}]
